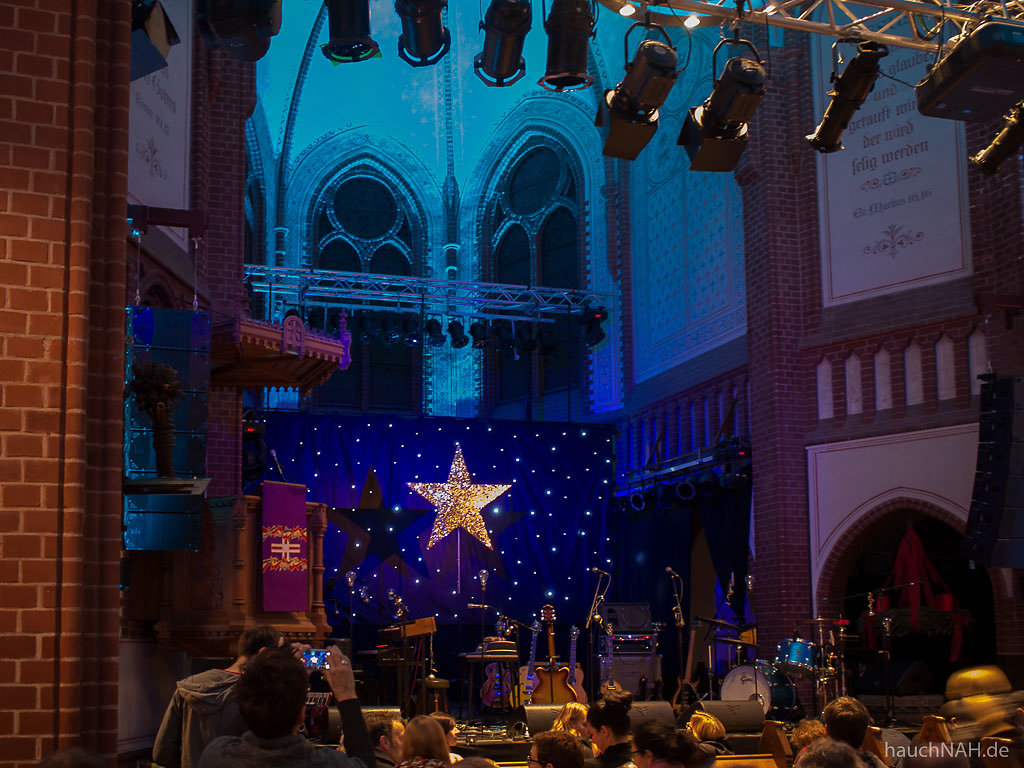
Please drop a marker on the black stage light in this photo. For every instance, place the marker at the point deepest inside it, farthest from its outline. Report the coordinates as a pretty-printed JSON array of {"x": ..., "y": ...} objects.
[
  {"x": 707, "y": 483},
  {"x": 685, "y": 490},
  {"x": 435, "y": 336},
  {"x": 851, "y": 89},
  {"x": 348, "y": 22},
  {"x": 1005, "y": 145},
  {"x": 480, "y": 334},
  {"x": 525, "y": 340},
  {"x": 505, "y": 26},
  {"x": 636, "y": 501},
  {"x": 592, "y": 319},
  {"x": 424, "y": 39},
  {"x": 715, "y": 133},
  {"x": 458, "y": 334},
  {"x": 241, "y": 27},
  {"x": 503, "y": 333},
  {"x": 392, "y": 331},
  {"x": 410, "y": 332},
  {"x": 632, "y": 107},
  {"x": 152, "y": 38},
  {"x": 570, "y": 25}
]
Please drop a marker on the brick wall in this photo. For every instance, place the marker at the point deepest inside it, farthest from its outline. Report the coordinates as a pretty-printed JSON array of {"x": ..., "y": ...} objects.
[{"x": 63, "y": 159}]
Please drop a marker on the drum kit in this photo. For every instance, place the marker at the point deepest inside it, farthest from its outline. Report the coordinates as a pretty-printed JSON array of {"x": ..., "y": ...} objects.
[{"x": 771, "y": 683}]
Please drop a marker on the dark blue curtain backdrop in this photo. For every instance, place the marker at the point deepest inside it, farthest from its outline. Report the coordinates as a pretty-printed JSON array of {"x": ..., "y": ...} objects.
[{"x": 548, "y": 529}]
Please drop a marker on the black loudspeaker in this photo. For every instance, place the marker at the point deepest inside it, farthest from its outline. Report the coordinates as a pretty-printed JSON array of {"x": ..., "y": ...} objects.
[
  {"x": 994, "y": 537},
  {"x": 642, "y": 711},
  {"x": 909, "y": 678},
  {"x": 627, "y": 618},
  {"x": 742, "y": 716},
  {"x": 540, "y": 717}
]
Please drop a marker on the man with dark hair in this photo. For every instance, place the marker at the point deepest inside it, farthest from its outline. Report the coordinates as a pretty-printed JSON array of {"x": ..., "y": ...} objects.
[
  {"x": 828, "y": 753},
  {"x": 847, "y": 720},
  {"x": 555, "y": 749},
  {"x": 386, "y": 735},
  {"x": 203, "y": 706},
  {"x": 272, "y": 698}
]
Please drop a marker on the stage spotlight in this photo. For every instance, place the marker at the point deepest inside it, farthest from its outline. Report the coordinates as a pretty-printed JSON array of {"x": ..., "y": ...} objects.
[
  {"x": 424, "y": 39},
  {"x": 850, "y": 91},
  {"x": 458, "y": 335},
  {"x": 152, "y": 38},
  {"x": 241, "y": 27},
  {"x": 349, "y": 24},
  {"x": 570, "y": 25},
  {"x": 410, "y": 332},
  {"x": 1005, "y": 145},
  {"x": 435, "y": 336},
  {"x": 632, "y": 107},
  {"x": 503, "y": 333},
  {"x": 707, "y": 483},
  {"x": 715, "y": 133},
  {"x": 392, "y": 331},
  {"x": 480, "y": 334},
  {"x": 505, "y": 26},
  {"x": 369, "y": 332},
  {"x": 592, "y": 319},
  {"x": 636, "y": 501},
  {"x": 526, "y": 342},
  {"x": 685, "y": 490}
]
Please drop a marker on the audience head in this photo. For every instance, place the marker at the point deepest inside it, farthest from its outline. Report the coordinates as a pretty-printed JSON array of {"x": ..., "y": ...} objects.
[
  {"x": 846, "y": 720},
  {"x": 424, "y": 739},
  {"x": 658, "y": 741},
  {"x": 386, "y": 733},
  {"x": 477, "y": 762},
  {"x": 608, "y": 720},
  {"x": 254, "y": 640},
  {"x": 556, "y": 749},
  {"x": 806, "y": 731},
  {"x": 572, "y": 717},
  {"x": 73, "y": 757},
  {"x": 706, "y": 727},
  {"x": 447, "y": 722},
  {"x": 828, "y": 753},
  {"x": 271, "y": 693}
]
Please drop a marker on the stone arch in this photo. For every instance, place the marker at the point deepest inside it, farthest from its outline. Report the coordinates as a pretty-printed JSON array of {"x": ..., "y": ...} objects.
[{"x": 843, "y": 554}]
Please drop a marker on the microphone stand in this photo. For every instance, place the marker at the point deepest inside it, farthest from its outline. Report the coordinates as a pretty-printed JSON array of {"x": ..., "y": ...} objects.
[{"x": 593, "y": 619}]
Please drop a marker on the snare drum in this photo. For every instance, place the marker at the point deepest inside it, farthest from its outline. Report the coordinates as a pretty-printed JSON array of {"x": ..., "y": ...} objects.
[
  {"x": 761, "y": 682},
  {"x": 797, "y": 657}
]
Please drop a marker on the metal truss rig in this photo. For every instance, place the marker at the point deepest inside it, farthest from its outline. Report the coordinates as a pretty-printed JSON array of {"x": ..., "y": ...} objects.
[
  {"x": 923, "y": 26},
  {"x": 394, "y": 293}
]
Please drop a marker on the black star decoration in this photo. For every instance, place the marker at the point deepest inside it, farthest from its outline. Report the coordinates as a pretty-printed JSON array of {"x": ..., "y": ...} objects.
[{"x": 382, "y": 526}]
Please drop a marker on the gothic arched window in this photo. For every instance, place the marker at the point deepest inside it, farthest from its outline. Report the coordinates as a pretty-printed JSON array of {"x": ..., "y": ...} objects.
[
  {"x": 362, "y": 224},
  {"x": 535, "y": 237}
]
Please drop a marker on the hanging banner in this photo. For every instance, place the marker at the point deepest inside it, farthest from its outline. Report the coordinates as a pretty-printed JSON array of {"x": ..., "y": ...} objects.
[{"x": 285, "y": 548}]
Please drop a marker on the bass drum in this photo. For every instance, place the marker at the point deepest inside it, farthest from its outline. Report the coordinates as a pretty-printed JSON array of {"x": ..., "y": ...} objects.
[{"x": 761, "y": 682}]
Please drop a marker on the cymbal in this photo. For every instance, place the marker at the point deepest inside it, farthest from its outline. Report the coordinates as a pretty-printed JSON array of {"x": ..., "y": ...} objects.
[
  {"x": 736, "y": 641},
  {"x": 819, "y": 620},
  {"x": 844, "y": 636},
  {"x": 717, "y": 623}
]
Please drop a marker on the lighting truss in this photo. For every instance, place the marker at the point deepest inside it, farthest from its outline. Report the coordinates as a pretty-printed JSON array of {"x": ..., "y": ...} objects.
[
  {"x": 394, "y": 293},
  {"x": 922, "y": 26}
]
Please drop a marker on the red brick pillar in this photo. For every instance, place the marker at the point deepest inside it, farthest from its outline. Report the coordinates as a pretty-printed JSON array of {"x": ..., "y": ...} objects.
[{"x": 63, "y": 158}]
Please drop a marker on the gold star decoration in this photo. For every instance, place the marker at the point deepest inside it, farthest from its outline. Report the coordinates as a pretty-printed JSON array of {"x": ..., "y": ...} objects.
[{"x": 459, "y": 502}]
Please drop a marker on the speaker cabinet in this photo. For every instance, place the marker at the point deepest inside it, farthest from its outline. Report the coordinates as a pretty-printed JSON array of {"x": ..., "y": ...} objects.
[
  {"x": 642, "y": 711},
  {"x": 629, "y": 670},
  {"x": 994, "y": 537},
  {"x": 540, "y": 717},
  {"x": 742, "y": 716},
  {"x": 627, "y": 618}
]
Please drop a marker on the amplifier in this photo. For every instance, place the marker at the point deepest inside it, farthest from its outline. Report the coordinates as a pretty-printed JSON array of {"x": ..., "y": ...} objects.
[
  {"x": 632, "y": 644},
  {"x": 629, "y": 670}
]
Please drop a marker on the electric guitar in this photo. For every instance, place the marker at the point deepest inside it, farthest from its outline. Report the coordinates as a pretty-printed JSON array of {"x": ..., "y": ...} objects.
[
  {"x": 575, "y": 673},
  {"x": 686, "y": 692},
  {"x": 552, "y": 680},
  {"x": 609, "y": 685},
  {"x": 527, "y": 674}
]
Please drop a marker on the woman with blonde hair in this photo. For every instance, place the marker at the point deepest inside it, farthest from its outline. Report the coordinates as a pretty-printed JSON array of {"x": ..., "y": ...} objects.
[
  {"x": 572, "y": 718},
  {"x": 424, "y": 744},
  {"x": 708, "y": 729}
]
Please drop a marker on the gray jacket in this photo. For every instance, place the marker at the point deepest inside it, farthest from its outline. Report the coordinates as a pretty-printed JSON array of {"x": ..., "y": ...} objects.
[{"x": 202, "y": 708}]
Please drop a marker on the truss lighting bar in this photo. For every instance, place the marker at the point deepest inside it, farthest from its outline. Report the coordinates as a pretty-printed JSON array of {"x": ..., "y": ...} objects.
[
  {"x": 393, "y": 293},
  {"x": 863, "y": 20}
]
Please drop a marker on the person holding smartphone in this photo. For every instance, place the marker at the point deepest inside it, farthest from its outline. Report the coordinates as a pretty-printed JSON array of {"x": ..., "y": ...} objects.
[{"x": 272, "y": 698}]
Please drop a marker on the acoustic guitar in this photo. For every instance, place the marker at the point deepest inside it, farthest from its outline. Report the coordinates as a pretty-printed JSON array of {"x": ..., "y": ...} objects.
[{"x": 552, "y": 681}]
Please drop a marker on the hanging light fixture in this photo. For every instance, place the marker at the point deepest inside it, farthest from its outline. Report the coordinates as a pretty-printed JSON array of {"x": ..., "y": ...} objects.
[
  {"x": 569, "y": 25},
  {"x": 435, "y": 336},
  {"x": 458, "y": 334},
  {"x": 505, "y": 26},
  {"x": 631, "y": 108},
  {"x": 480, "y": 334},
  {"x": 424, "y": 39},
  {"x": 851, "y": 89},
  {"x": 1005, "y": 145},
  {"x": 348, "y": 22},
  {"x": 242, "y": 29},
  {"x": 716, "y": 133}
]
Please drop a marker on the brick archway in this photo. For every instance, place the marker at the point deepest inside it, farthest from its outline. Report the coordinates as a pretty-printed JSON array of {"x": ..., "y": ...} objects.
[{"x": 836, "y": 569}]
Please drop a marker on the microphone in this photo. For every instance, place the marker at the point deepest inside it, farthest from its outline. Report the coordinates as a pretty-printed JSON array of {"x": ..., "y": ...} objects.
[
  {"x": 671, "y": 572},
  {"x": 482, "y": 606},
  {"x": 595, "y": 569},
  {"x": 280, "y": 469}
]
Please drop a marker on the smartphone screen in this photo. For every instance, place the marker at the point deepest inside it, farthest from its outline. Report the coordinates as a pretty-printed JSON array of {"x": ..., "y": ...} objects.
[{"x": 315, "y": 658}]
